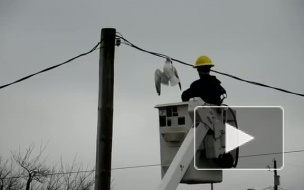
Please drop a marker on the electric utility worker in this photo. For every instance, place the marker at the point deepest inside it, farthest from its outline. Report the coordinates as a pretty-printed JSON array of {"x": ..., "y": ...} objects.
[{"x": 208, "y": 87}]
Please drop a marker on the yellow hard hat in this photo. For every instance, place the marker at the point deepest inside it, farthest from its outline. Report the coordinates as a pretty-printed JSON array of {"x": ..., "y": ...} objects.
[{"x": 203, "y": 61}]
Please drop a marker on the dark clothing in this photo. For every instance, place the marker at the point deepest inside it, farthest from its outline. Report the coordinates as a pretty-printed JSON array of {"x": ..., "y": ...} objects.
[{"x": 208, "y": 88}]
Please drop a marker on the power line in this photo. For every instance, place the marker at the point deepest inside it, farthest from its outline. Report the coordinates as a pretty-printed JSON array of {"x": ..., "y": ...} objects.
[
  {"x": 50, "y": 68},
  {"x": 149, "y": 165},
  {"x": 286, "y": 152},
  {"x": 49, "y": 174},
  {"x": 84, "y": 171},
  {"x": 126, "y": 42},
  {"x": 259, "y": 84},
  {"x": 132, "y": 167}
]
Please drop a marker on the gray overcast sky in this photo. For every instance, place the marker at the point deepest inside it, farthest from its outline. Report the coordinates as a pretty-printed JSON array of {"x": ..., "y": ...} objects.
[{"x": 257, "y": 40}]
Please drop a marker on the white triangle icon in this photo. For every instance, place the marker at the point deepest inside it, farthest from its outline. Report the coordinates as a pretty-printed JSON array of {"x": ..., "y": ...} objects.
[{"x": 235, "y": 138}]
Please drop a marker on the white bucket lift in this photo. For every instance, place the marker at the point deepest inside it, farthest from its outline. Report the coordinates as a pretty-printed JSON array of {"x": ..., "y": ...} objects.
[{"x": 177, "y": 143}]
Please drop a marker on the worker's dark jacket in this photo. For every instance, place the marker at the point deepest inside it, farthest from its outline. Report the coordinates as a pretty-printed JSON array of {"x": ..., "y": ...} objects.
[{"x": 208, "y": 88}]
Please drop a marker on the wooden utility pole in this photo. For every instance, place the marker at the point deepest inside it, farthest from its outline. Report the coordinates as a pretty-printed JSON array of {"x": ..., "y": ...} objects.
[
  {"x": 105, "y": 110},
  {"x": 276, "y": 177}
]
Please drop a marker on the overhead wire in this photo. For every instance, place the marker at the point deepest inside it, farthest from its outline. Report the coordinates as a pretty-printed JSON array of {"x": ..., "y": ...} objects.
[
  {"x": 148, "y": 165},
  {"x": 127, "y": 42},
  {"x": 258, "y": 84},
  {"x": 84, "y": 171},
  {"x": 286, "y": 152},
  {"x": 52, "y": 67},
  {"x": 132, "y": 167}
]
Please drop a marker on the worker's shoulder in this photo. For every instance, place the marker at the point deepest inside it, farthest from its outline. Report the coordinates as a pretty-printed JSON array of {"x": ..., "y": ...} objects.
[
  {"x": 206, "y": 80},
  {"x": 215, "y": 79},
  {"x": 198, "y": 82}
]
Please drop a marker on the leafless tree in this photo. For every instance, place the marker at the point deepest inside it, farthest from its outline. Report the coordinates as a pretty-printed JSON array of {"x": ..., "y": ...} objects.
[
  {"x": 76, "y": 178},
  {"x": 8, "y": 179},
  {"x": 33, "y": 168},
  {"x": 54, "y": 181},
  {"x": 28, "y": 170},
  {"x": 70, "y": 177},
  {"x": 4, "y": 172}
]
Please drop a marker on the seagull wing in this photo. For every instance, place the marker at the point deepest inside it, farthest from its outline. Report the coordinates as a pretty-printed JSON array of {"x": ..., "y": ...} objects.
[
  {"x": 176, "y": 75},
  {"x": 158, "y": 78}
]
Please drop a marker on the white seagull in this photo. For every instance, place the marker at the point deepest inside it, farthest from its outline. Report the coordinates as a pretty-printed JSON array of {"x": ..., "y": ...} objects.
[{"x": 169, "y": 74}]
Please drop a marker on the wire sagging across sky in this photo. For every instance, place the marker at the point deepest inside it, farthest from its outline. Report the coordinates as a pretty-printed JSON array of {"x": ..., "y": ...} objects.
[
  {"x": 152, "y": 165},
  {"x": 126, "y": 42},
  {"x": 53, "y": 67}
]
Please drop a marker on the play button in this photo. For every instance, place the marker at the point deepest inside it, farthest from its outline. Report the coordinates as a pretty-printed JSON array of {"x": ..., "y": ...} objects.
[
  {"x": 257, "y": 124},
  {"x": 235, "y": 138}
]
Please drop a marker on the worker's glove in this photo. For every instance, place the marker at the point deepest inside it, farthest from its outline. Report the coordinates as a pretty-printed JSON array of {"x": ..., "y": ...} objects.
[{"x": 225, "y": 160}]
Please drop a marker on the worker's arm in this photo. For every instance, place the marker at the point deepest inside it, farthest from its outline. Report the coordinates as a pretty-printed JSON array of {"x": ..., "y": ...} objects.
[
  {"x": 191, "y": 92},
  {"x": 186, "y": 95}
]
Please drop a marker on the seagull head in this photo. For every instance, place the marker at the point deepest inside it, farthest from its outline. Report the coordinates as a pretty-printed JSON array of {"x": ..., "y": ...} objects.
[{"x": 168, "y": 59}]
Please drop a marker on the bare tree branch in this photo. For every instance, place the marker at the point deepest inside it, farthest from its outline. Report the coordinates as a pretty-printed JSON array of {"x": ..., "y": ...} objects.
[
  {"x": 27, "y": 170},
  {"x": 33, "y": 167},
  {"x": 7, "y": 170}
]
